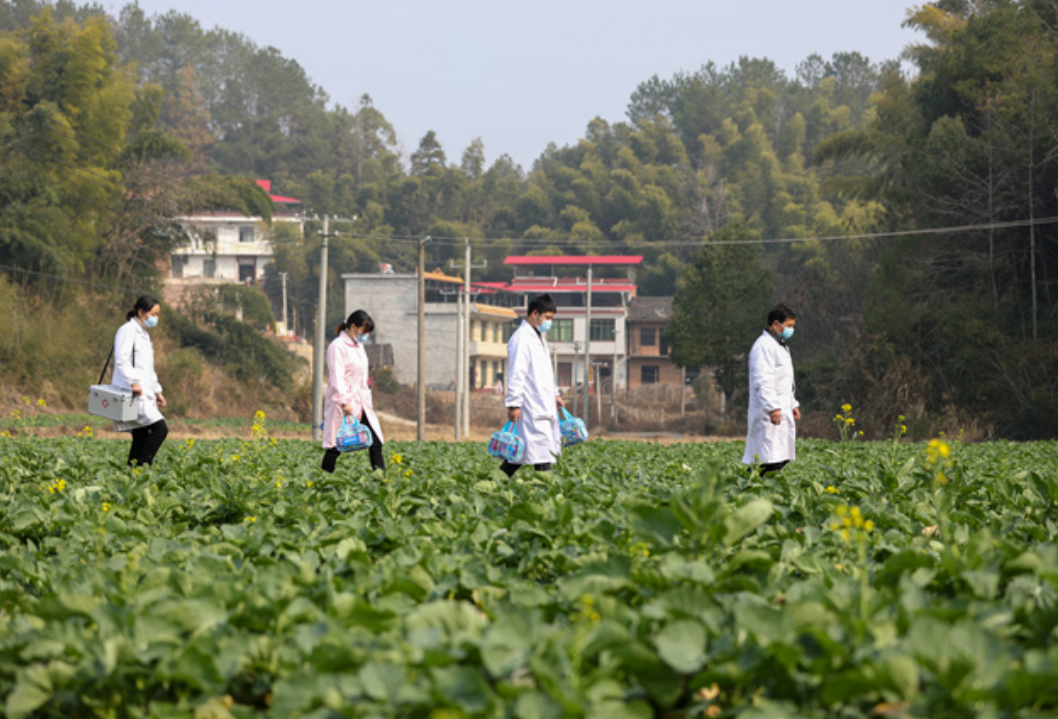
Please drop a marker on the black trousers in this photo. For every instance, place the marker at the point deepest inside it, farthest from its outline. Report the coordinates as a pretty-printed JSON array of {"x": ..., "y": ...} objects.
[
  {"x": 330, "y": 457},
  {"x": 146, "y": 441},
  {"x": 509, "y": 469},
  {"x": 767, "y": 468}
]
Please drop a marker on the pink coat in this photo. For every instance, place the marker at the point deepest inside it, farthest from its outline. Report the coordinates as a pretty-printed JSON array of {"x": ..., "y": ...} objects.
[{"x": 347, "y": 375}]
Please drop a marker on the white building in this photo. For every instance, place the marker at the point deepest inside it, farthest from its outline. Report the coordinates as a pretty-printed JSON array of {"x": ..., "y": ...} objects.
[
  {"x": 227, "y": 246},
  {"x": 570, "y": 334}
]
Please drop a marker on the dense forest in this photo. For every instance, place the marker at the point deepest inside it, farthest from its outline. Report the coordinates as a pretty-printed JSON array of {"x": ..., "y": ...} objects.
[{"x": 907, "y": 216}]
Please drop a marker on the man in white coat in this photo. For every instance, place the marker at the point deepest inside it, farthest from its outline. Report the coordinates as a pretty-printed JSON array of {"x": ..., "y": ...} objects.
[
  {"x": 532, "y": 400},
  {"x": 773, "y": 408}
]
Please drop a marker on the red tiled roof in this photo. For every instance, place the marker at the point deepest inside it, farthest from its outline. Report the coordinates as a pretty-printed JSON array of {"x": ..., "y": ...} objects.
[
  {"x": 266, "y": 185},
  {"x": 573, "y": 260}
]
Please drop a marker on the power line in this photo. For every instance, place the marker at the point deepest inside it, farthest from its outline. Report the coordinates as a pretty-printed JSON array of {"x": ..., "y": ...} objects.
[
  {"x": 537, "y": 242},
  {"x": 70, "y": 280}
]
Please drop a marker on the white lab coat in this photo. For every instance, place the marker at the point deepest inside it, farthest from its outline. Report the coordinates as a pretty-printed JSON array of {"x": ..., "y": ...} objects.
[
  {"x": 531, "y": 387},
  {"x": 134, "y": 364},
  {"x": 347, "y": 383},
  {"x": 771, "y": 387}
]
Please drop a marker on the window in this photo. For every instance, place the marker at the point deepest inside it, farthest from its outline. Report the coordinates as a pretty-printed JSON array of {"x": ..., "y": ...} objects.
[
  {"x": 602, "y": 330},
  {"x": 209, "y": 267},
  {"x": 179, "y": 262},
  {"x": 510, "y": 328},
  {"x": 651, "y": 373},
  {"x": 664, "y": 346},
  {"x": 246, "y": 234},
  {"x": 209, "y": 236},
  {"x": 565, "y": 374},
  {"x": 648, "y": 337},
  {"x": 561, "y": 331}
]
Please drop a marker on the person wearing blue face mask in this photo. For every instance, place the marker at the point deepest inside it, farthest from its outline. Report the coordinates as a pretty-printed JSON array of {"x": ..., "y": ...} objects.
[
  {"x": 773, "y": 407},
  {"x": 532, "y": 398},
  {"x": 134, "y": 372}
]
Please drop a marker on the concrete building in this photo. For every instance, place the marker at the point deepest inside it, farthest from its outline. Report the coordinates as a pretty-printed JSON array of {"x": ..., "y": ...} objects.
[
  {"x": 391, "y": 300},
  {"x": 569, "y": 335},
  {"x": 648, "y": 351},
  {"x": 227, "y": 246}
]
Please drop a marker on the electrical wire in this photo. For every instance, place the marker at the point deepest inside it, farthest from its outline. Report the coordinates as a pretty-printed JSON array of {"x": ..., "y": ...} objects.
[{"x": 536, "y": 242}]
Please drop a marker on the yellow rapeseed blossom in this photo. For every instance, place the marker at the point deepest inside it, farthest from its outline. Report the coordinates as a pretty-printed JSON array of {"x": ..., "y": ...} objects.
[
  {"x": 41, "y": 403},
  {"x": 846, "y": 408},
  {"x": 251, "y": 519},
  {"x": 106, "y": 506},
  {"x": 397, "y": 459},
  {"x": 831, "y": 490},
  {"x": 849, "y": 523},
  {"x": 189, "y": 443}
]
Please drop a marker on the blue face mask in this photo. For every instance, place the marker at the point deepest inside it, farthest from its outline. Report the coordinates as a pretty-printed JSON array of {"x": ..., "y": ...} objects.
[
  {"x": 787, "y": 332},
  {"x": 151, "y": 321},
  {"x": 545, "y": 325},
  {"x": 362, "y": 339}
]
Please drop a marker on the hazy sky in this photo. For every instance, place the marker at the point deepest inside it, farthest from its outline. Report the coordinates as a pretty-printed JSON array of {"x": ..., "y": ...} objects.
[{"x": 523, "y": 73}]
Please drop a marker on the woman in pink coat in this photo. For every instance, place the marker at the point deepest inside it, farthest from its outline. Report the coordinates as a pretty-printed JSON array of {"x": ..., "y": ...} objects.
[{"x": 348, "y": 393}]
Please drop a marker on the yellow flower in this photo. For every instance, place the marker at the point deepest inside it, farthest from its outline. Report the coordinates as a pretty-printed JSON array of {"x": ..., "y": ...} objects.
[
  {"x": 251, "y": 519},
  {"x": 849, "y": 421},
  {"x": 41, "y": 403},
  {"x": 846, "y": 408},
  {"x": 106, "y": 506},
  {"x": 868, "y": 526},
  {"x": 309, "y": 484},
  {"x": 397, "y": 459},
  {"x": 831, "y": 490},
  {"x": 903, "y": 429},
  {"x": 279, "y": 483},
  {"x": 408, "y": 473},
  {"x": 189, "y": 443}
]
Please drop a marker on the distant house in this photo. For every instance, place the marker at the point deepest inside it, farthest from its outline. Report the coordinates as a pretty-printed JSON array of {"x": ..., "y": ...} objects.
[
  {"x": 226, "y": 246},
  {"x": 648, "y": 351},
  {"x": 571, "y": 335},
  {"x": 392, "y": 301}
]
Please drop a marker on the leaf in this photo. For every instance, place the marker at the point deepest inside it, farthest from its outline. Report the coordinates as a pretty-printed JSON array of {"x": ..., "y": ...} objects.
[
  {"x": 745, "y": 519},
  {"x": 657, "y": 525},
  {"x": 32, "y": 690},
  {"x": 681, "y": 644}
]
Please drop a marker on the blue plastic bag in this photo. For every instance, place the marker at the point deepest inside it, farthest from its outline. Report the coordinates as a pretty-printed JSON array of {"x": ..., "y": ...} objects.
[
  {"x": 352, "y": 437},
  {"x": 506, "y": 444},
  {"x": 572, "y": 429}
]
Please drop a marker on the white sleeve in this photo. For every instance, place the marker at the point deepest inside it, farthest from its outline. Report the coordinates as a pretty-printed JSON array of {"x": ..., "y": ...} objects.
[
  {"x": 517, "y": 372},
  {"x": 124, "y": 350},
  {"x": 762, "y": 378}
]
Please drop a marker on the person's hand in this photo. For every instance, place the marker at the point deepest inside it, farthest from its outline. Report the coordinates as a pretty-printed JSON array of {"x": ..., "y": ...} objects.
[
  {"x": 161, "y": 400},
  {"x": 559, "y": 402},
  {"x": 797, "y": 413},
  {"x": 514, "y": 414},
  {"x": 347, "y": 410},
  {"x": 776, "y": 416},
  {"x": 136, "y": 389}
]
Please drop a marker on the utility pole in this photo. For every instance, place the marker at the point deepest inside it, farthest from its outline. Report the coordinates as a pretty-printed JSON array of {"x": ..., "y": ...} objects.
[
  {"x": 576, "y": 389},
  {"x": 317, "y": 354},
  {"x": 587, "y": 358},
  {"x": 464, "y": 329},
  {"x": 613, "y": 384},
  {"x": 283, "y": 277},
  {"x": 420, "y": 432},
  {"x": 461, "y": 376}
]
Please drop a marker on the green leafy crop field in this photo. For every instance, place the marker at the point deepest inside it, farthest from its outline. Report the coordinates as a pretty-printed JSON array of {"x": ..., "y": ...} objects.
[{"x": 637, "y": 580}]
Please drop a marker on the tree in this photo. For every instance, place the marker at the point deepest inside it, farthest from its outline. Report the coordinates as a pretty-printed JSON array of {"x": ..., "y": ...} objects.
[{"x": 720, "y": 307}]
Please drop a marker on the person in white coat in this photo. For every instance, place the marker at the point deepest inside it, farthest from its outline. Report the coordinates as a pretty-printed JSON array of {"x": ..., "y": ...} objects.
[
  {"x": 134, "y": 372},
  {"x": 773, "y": 407},
  {"x": 532, "y": 400},
  {"x": 348, "y": 390}
]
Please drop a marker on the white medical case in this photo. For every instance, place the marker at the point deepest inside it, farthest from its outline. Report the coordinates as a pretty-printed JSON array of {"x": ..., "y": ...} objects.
[{"x": 105, "y": 401}]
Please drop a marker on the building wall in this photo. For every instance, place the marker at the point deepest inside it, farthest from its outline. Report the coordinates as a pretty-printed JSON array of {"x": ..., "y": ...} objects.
[
  {"x": 391, "y": 300},
  {"x": 227, "y": 248},
  {"x": 668, "y": 373}
]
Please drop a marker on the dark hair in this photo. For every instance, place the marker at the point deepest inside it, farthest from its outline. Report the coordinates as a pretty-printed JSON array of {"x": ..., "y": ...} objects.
[
  {"x": 145, "y": 303},
  {"x": 359, "y": 319},
  {"x": 780, "y": 313},
  {"x": 542, "y": 303}
]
